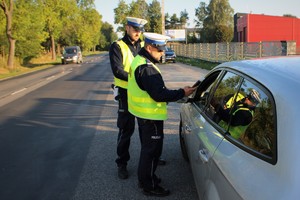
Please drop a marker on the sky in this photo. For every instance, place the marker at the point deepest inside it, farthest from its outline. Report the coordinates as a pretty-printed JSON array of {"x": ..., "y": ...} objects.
[{"x": 267, "y": 7}]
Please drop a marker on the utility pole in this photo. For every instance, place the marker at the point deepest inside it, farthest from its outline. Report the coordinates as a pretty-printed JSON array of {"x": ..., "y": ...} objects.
[{"x": 162, "y": 17}]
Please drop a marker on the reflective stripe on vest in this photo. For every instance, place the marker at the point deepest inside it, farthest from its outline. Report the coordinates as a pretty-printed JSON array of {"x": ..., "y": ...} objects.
[
  {"x": 140, "y": 103},
  {"x": 127, "y": 59}
]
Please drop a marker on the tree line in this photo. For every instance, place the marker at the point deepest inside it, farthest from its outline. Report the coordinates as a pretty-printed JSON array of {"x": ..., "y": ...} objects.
[
  {"x": 151, "y": 12},
  {"x": 214, "y": 20},
  {"x": 30, "y": 27}
]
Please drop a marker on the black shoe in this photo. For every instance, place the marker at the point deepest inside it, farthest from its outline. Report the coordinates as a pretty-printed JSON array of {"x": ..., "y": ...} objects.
[
  {"x": 161, "y": 161},
  {"x": 140, "y": 184},
  {"x": 158, "y": 192},
  {"x": 122, "y": 172}
]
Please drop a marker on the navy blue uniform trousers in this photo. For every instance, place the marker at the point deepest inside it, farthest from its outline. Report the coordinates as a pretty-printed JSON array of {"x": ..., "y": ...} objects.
[
  {"x": 151, "y": 135},
  {"x": 125, "y": 123}
]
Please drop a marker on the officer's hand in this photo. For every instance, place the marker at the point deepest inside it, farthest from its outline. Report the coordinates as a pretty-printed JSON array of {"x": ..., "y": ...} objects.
[{"x": 188, "y": 90}]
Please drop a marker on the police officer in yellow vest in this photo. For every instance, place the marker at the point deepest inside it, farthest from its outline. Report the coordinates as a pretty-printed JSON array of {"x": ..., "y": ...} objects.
[
  {"x": 147, "y": 100},
  {"x": 121, "y": 54},
  {"x": 238, "y": 115}
]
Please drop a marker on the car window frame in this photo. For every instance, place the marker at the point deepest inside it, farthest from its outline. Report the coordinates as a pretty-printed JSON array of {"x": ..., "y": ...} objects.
[{"x": 221, "y": 73}]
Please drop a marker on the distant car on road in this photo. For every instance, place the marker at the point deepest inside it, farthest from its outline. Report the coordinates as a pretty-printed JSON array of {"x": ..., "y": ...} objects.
[
  {"x": 72, "y": 54},
  {"x": 170, "y": 55},
  {"x": 240, "y": 130}
]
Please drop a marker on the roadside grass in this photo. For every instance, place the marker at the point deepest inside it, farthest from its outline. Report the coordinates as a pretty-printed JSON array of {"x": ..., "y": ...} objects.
[
  {"x": 35, "y": 64},
  {"x": 45, "y": 61},
  {"x": 197, "y": 62}
]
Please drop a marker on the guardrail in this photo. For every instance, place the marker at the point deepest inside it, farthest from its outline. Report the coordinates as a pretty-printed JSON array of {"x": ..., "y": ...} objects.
[{"x": 223, "y": 52}]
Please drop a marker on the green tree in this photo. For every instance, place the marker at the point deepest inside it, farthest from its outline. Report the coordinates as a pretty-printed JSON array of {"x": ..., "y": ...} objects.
[
  {"x": 72, "y": 21},
  {"x": 86, "y": 3},
  {"x": 3, "y": 37},
  {"x": 21, "y": 26},
  {"x": 107, "y": 36},
  {"x": 7, "y": 7},
  {"x": 167, "y": 20},
  {"x": 219, "y": 15},
  {"x": 223, "y": 33},
  {"x": 200, "y": 13},
  {"x": 155, "y": 21},
  {"x": 184, "y": 17},
  {"x": 29, "y": 32},
  {"x": 121, "y": 12},
  {"x": 54, "y": 12},
  {"x": 89, "y": 33},
  {"x": 139, "y": 9},
  {"x": 174, "y": 21}
]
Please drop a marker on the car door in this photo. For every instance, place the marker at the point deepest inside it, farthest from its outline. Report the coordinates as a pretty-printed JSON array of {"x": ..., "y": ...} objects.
[
  {"x": 243, "y": 160},
  {"x": 215, "y": 184},
  {"x": 206, "y": 134},
  {"x": 201, "y": 138}
]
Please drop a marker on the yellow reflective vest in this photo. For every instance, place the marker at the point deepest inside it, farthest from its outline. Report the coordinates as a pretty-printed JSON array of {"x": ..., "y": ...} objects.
[
  {"x": 140, "y": 103},
  {"x": 235, "y": 131},
  {"x": 127, "y": 59}
]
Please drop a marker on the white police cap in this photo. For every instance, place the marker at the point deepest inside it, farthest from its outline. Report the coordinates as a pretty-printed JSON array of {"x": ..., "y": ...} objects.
[
  {"x": 157, "y": 40},
  {"x": 136, "y": 23}
]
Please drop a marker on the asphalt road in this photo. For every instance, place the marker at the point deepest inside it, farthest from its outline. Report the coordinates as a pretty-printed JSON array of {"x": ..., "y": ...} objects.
[{"x": 58, "y": 136}]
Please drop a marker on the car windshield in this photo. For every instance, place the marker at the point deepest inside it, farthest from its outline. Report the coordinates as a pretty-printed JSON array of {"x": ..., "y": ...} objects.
[{"x": 70, "y": 51}]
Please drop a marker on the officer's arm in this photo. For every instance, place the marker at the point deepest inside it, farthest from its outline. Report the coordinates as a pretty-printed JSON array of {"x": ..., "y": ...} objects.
[
  {"x": 116, "y": 62},
  {"x": 151, "y": 81}
]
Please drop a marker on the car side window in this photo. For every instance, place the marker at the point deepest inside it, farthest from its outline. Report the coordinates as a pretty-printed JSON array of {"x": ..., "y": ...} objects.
[
  {"x": 244, "y": 110},
  {"x": 260, "y": 134},
  {"x": 226, "y": 87},
  {"x": 205, "y": 89}
]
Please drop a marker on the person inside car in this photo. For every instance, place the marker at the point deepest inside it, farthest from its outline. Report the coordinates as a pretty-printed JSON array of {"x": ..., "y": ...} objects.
[{"x": 237, "y": 112}]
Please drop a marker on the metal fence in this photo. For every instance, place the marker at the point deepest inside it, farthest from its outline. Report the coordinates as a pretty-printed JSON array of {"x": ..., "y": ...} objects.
[{"x": 223, "y": 52}]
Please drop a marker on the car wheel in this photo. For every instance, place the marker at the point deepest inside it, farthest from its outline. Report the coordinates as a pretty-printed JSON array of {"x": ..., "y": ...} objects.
[{"x": 182, "y": 143}]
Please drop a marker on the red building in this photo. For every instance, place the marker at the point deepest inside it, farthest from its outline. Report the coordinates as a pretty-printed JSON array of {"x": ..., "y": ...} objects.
[{"x": 256, "y": 28}]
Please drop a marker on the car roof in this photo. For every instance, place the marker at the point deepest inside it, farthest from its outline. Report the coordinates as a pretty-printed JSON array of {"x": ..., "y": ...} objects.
[{"x": 282, "y": 71}]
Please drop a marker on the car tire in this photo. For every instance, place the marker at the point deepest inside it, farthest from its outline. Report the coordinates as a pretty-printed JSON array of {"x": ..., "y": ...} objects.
[{"x": 182, "y": 143}]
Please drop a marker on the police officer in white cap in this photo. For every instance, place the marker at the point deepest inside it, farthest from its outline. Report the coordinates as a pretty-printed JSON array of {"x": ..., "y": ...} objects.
[
  {"x": 121, "y": 54},
  {"x": 147, "y": 100}
]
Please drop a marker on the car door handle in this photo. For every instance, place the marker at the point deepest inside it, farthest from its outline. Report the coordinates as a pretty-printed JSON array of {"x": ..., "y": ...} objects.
[
  {"x": 188, "y": 128},
  {"x": 203, "y": 156}
]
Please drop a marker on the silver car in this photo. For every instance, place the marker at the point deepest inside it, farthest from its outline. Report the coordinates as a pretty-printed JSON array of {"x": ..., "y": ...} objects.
[
  {"x": 240, "y": 130},
  {"x": 72, "y": 54}
]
